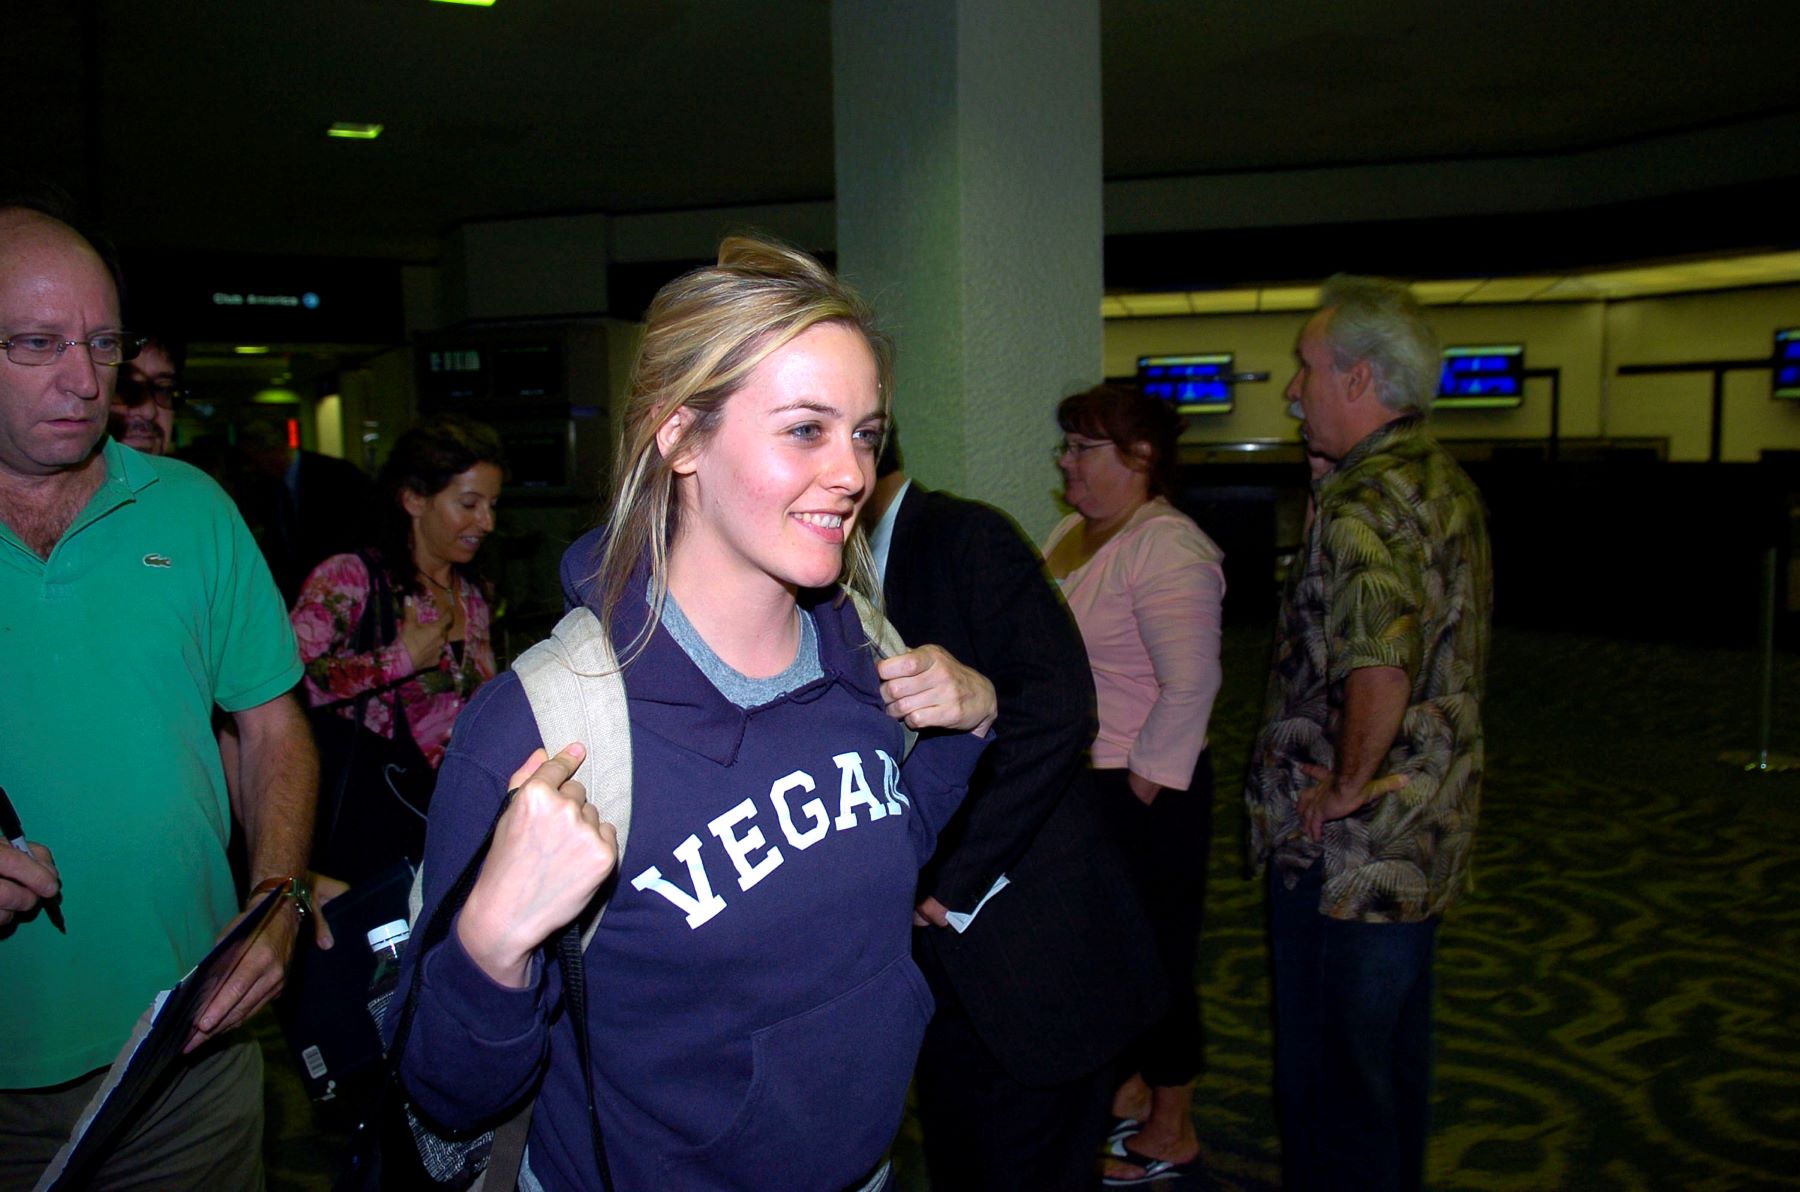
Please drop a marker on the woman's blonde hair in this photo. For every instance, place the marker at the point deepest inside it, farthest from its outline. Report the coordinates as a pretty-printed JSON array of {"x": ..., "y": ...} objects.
[{"x": 705, "y": 334}]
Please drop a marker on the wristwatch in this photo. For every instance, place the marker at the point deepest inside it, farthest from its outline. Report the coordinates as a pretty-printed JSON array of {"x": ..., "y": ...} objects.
[{"x": 298, "y": 887}]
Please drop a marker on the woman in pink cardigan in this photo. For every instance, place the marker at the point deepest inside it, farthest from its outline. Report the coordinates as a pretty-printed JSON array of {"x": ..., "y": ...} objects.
[{"x": 1146, "y": 586}]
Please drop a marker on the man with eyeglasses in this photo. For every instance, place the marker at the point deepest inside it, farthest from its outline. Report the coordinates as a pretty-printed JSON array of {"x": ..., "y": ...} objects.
[
  {"x": 128, "y": 582},
  {"x": 145, "y": 396}
]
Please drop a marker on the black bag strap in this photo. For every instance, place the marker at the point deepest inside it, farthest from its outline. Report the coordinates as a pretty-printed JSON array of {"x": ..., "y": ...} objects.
[
  {"x": 377, "y": 626},
  {"x": 388, "y": 626},
  {"x": 377, "y": 619},
  {"x": 437, "y": 929},
  {"x": 509, "y": 1140}
]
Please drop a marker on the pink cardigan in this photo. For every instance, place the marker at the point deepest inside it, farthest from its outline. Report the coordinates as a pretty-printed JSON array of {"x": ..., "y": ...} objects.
[{"x": 1148, "y": 604}]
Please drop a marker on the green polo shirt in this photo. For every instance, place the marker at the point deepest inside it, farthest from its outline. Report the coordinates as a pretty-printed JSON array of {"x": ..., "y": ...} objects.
[{"x": 154, "y": 606}]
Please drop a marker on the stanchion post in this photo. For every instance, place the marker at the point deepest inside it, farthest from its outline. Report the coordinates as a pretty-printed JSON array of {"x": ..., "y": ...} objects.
[{"x": 1763, "y": 761}]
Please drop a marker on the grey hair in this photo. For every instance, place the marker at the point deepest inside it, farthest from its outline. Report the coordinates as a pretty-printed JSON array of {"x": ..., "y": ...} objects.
[{"x": 1379, "y": 321}]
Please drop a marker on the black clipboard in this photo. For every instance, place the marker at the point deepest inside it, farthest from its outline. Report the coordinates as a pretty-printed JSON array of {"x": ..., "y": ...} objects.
[{"x": 153, "y": 1048}]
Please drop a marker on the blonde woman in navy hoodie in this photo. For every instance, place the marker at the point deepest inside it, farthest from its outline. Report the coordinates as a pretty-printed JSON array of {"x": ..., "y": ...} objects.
[{"x": 753, "y": 1011}]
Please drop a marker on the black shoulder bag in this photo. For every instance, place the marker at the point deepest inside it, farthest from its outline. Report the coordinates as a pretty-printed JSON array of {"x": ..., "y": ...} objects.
[
  {"x": 374, "y": 791},
  {"x": 394, "y": 1150}
]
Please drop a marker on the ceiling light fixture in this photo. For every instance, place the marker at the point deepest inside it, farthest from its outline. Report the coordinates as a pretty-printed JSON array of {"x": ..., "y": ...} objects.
[
  {"x": 354, "y": 132},
  {"x": 470, "y": 3},
  {"x": 251, "y": 350}
]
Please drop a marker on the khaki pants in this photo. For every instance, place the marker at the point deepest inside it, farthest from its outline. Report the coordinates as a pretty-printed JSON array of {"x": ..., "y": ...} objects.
[{"x": 200, "y": 1128}]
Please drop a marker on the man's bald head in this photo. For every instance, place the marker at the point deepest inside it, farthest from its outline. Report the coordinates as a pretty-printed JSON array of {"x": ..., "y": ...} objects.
[
  {"x": 23, "y": 227},
  {"x": 54, "y": 284}
]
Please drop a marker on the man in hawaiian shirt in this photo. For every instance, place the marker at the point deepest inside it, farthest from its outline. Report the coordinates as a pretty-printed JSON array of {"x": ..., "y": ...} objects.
[{"x": 1365, "y": 781}]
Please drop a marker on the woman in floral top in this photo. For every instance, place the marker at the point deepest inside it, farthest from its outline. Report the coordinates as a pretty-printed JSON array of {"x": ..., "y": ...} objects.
[{"x": 437, "y": 494}]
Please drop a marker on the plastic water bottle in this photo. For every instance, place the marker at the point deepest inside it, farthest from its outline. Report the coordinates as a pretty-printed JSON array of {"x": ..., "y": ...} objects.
[{"x": 388, "y": 942}]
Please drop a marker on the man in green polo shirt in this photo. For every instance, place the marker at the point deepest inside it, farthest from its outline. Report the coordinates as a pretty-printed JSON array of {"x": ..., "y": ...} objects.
[{"x": 132, "y": 601}]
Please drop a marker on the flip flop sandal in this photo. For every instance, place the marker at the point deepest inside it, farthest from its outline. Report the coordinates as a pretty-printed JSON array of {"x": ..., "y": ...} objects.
[
  {"x": 1123, "y": 1127},
  {"x": 1155, "y": 1170}
]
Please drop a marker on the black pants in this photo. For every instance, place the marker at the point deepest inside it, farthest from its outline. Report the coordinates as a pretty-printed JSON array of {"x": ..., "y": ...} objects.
[
  {"x": 1166, "y": 846},
  {"x": 986, "y": 1132}
]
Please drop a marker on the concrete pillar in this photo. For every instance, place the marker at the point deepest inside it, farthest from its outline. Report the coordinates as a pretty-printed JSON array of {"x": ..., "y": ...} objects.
[{"x": 969, "y": 212}]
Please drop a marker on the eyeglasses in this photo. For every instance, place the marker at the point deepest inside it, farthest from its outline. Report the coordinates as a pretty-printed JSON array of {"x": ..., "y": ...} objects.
[
  {"x": 1067, "y": 447},
  {"x": 166, "y": 394},
  {"x": 107, "y": 350}
]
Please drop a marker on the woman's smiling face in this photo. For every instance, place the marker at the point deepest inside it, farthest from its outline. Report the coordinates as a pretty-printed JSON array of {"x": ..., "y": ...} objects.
[
  {"x": 448, "y": 526},
  {"x": 772, "y": 494}
]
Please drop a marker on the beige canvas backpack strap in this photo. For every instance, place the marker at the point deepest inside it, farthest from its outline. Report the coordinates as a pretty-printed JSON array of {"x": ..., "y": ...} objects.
[
  {"x": 572, "y": 681},
  {"x": 577, "y": 694},
  {"x": 876, "y": 627},
  {"x": 887, "y": 641}
]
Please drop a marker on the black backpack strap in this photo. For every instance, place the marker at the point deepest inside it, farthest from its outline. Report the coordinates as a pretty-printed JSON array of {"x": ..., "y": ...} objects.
[{"x": 568, "y": 955}]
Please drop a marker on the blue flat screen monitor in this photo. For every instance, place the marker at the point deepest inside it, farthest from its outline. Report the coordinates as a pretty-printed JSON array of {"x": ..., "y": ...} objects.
[
  {"x": 1192, "y": 384},
  {"x": 1787, "y": 364},
  {"x": 1487, "y": 377}
]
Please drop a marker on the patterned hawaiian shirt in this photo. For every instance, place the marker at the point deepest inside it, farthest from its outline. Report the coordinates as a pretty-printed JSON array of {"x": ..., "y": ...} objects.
[{"x": 1396, "y": 573}]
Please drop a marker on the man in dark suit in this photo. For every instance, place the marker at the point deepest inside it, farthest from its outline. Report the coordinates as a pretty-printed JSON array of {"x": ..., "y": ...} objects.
[
  {"x": 303, "y": 507},
  {"x": 1028, "y": 931}
]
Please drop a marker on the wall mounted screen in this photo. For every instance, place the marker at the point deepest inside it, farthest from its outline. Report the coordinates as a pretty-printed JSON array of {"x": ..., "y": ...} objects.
[
  {"x": 1787, "y": 364},
  {"x": 528, "y": 372},
  {"x": 1487, "y": 377},
  {"x": 1198, "y": 384},
  {"x": 458, "y": 373}
]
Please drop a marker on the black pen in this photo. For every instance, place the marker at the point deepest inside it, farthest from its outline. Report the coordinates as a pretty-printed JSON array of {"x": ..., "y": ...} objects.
[{"x": 14, "y": 831}]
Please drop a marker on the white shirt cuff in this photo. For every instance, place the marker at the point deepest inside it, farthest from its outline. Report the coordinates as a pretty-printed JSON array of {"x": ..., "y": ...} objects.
[{"x": 960, "y": 921}]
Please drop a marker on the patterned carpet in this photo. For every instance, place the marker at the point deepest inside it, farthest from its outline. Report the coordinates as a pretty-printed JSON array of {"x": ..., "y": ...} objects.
[{"x": 1619, "y": 1000}]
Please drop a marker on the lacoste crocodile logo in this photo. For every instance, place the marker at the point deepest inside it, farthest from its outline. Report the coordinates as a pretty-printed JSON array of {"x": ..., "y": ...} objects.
[{"x": 155, "y": 560}]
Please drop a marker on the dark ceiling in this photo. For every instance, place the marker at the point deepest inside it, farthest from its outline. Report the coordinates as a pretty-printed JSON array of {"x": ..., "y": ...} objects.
[{"x": 189, "y": 125}]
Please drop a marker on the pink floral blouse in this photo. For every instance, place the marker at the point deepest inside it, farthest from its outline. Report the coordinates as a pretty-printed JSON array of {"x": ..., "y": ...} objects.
[{"x": 326, "y": 617}]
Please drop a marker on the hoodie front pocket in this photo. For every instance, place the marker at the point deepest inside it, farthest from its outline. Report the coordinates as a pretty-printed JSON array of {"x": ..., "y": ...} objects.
[{"x": 826, "y": 1092}]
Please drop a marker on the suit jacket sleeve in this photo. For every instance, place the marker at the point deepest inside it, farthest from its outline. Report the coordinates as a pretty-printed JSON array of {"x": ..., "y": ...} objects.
[{"x": 1021, "y": 636}]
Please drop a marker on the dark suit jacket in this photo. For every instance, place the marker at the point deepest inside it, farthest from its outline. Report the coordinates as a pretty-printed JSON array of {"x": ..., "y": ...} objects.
[
  {"x": 1058, "y": 972},
  {"x": 332, "y": 516}
]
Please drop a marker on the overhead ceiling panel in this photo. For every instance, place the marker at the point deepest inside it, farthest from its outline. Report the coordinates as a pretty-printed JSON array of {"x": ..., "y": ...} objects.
[{"x": 210, "y": 116}]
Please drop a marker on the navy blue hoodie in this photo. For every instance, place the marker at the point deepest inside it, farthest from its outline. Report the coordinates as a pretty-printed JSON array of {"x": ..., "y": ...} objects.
[{"x": 753, "y": 1007}]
